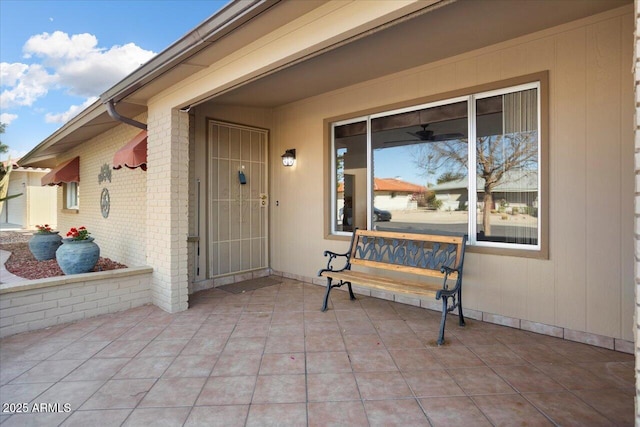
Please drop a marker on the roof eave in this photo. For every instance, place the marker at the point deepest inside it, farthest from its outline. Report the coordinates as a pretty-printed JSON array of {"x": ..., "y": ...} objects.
[
  {"x": 233, "y": 15},
  {"x": 86, "y": 115}
]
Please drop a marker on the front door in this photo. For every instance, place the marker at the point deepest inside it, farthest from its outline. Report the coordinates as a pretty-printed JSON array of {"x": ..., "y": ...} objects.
[{"x": 237, "y": 199}]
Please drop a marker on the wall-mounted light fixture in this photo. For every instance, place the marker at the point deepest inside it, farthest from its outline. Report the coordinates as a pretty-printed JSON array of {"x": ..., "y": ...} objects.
[{"x": 289, "y": 157}]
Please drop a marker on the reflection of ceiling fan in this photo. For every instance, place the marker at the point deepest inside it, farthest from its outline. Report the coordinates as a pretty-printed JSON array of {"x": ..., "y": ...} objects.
[
  {"x": 428, "y": 135},
  {"x": 424, "y": 135}
]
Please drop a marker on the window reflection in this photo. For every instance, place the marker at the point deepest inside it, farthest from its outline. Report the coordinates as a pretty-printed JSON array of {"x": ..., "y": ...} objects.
[{"x": 420, "y": 169}]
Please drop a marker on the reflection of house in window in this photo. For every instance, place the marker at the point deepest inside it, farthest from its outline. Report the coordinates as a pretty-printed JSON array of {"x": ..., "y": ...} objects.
[
  {"x": 518, "y": 189},
  {"x": 390, "y": 194},
  {"x": 393, "y": 194}
]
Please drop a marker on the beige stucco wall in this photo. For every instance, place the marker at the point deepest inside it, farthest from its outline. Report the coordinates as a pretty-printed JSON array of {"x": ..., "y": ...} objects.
[
  {"x": 122, "y": 235},
  {"x": 587, "y": 282}
]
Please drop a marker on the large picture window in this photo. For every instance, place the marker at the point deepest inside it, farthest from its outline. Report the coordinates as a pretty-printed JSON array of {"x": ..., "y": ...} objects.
[{"x": 468, "y": 164}]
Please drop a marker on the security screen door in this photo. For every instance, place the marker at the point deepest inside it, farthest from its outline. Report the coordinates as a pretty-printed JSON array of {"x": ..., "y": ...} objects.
[{"x": 238, "y": 198}]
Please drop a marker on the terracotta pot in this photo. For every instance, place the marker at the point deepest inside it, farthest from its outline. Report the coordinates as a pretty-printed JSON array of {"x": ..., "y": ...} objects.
[
  {"x": 77, "y": 256},
  {"x": 43, "y": 246}
]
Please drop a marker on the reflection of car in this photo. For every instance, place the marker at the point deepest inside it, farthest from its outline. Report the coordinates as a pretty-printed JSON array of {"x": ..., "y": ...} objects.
[{"x": 378, "y": 215}]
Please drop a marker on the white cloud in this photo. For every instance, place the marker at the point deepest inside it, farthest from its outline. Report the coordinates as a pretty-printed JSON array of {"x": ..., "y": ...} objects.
[
  {"x": 26, "y": 82},
  {"x": 81, "y": 66},
  {"x": 70, "y": 113},
  {"x": 7, "y": 118},
  {"x": 73, "y": 63}
]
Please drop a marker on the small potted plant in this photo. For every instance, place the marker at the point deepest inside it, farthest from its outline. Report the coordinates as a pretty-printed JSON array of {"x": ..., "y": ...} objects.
[
  {"x": 78, "y": 253},
  {"x": 44, "y": 242}
]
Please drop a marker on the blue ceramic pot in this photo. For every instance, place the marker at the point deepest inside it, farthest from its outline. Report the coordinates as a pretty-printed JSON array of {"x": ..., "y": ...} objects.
[
  {"x": 77, "y": 256},
  {"x": 43, "y": 246}
]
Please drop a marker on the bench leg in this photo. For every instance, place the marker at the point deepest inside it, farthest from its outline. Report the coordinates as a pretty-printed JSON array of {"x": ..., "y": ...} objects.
[
  {"x": 326, "y": 295},
  {"x": 351, "y": 295},
  {"x": 443, "y": 321},
  {"x": 460, "y": 315}
]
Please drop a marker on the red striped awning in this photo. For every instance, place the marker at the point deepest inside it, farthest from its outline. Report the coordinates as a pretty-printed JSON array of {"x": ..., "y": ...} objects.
[
  {"x": 64, "y": 173},
  {"x": 134, "y": 154}
]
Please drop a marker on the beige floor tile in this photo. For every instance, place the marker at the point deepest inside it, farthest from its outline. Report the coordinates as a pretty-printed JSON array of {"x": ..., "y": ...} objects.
[
  {"x": 280, "y": 389},
  {"x": 144, "y": 367},
  {"x": 227, "y": 362},
  {"x": 434, "y": 382},
  {"x": 382, "y": 385},
  {"x": 236, "y": 390},
  {"x": 237, "y": 363},
  {"x": 218, "y": 416},
  {"x": 285, "y": 344},
  {"x": 278, "y": 414},
  {"x": 191, "y": 366},
  {"x": 144, "y": 417},
  {"x": 48, "y": 371},
  {"x": 509, "y": 409},
  {"x": 119, "y": 394},
  {"x": 282, "y": 363},
  {"x": 336, "y": 414},
  {"x": 163, "y": 348},
  {"x": 332, "y": 387},
  {"x": 103, "y": 418},
  {"x": 97, "y": 369},
  {"x": 328, "y": 362},
  {"x": 372, "y": 361},
  {"x": 461, "y": 411},
  {"x": 125, "y": 348},
  {"x": 414, "y": 359},
  {"x": 173, "y": 392},
  {"x": 479, "y": 381},
  {"x": 527, "y": 379},
  {"x": 615, "y": 404},
  {"x": 405, "y": 412},
  {"x": 72, "y": 393}
]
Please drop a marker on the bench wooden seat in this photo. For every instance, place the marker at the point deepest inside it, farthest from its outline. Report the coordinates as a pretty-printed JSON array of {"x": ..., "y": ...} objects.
[{"x": 433, "y": 263}]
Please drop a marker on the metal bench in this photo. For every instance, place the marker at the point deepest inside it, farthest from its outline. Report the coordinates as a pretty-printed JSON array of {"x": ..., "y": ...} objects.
[{"x": 380, "y": 255}]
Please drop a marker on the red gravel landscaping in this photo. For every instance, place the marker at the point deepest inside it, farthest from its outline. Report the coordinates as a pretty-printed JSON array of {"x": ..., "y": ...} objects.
[{"x": 23, "y": 264}]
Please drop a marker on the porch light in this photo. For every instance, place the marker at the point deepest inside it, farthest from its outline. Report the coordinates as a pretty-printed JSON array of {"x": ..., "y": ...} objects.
[{"x": 289, "y": 157}]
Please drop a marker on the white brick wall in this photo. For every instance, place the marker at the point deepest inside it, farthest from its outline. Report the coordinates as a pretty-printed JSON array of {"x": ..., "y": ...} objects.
[
  {"x": 167, "y": 207},
  {"x": 121, "y": 236},
  {"x": 37, "y": 304}
]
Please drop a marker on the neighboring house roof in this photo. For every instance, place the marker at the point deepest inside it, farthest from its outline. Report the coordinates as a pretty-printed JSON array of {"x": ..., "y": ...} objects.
[
  {"x": 392, "y": 184},
  {"x": 15, "y": 167},
  {"x": 514, "y": 181}
]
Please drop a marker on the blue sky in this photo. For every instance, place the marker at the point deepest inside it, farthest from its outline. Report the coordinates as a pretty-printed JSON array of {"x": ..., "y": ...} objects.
[{"x": 56, "y": 57}]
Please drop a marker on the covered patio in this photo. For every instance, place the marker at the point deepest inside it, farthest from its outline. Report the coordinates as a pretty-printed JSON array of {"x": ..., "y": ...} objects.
[{"x": 270, "y": 357}]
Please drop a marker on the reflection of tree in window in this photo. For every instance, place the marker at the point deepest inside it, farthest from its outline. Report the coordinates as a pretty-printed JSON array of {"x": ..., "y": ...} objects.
[{"x": 506, "y": 144}]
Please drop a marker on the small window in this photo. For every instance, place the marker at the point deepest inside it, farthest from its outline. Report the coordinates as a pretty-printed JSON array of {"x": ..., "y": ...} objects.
[{"x": 72, "y": 195}]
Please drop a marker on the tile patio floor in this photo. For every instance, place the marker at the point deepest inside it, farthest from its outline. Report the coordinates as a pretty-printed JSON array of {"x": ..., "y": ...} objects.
[{"x": 270, "y": 357}]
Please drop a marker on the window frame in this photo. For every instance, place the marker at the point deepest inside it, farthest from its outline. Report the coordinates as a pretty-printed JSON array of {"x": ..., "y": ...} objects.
[
  {"x": 538, "y": 81},
  {"x": 70, "y": 190}
]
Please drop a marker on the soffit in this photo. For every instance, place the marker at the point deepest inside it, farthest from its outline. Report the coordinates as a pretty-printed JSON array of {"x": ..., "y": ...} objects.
[
  {"x": 93, "y": 121},
  {"x": 452, "y": 29},
  {"x": 214, "y": 49}
]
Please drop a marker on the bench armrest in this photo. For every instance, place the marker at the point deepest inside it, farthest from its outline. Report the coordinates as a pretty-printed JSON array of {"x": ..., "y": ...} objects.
[
  {"x": 448, "y": 270},
  {"x": 446, "y": 291},
  {"x": 333, "y": 256}
]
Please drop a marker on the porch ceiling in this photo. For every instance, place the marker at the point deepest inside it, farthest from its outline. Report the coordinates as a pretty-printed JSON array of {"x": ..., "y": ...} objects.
[
  {"x": 448, "y": 29},
  {"x": 426, "y": 38}
]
